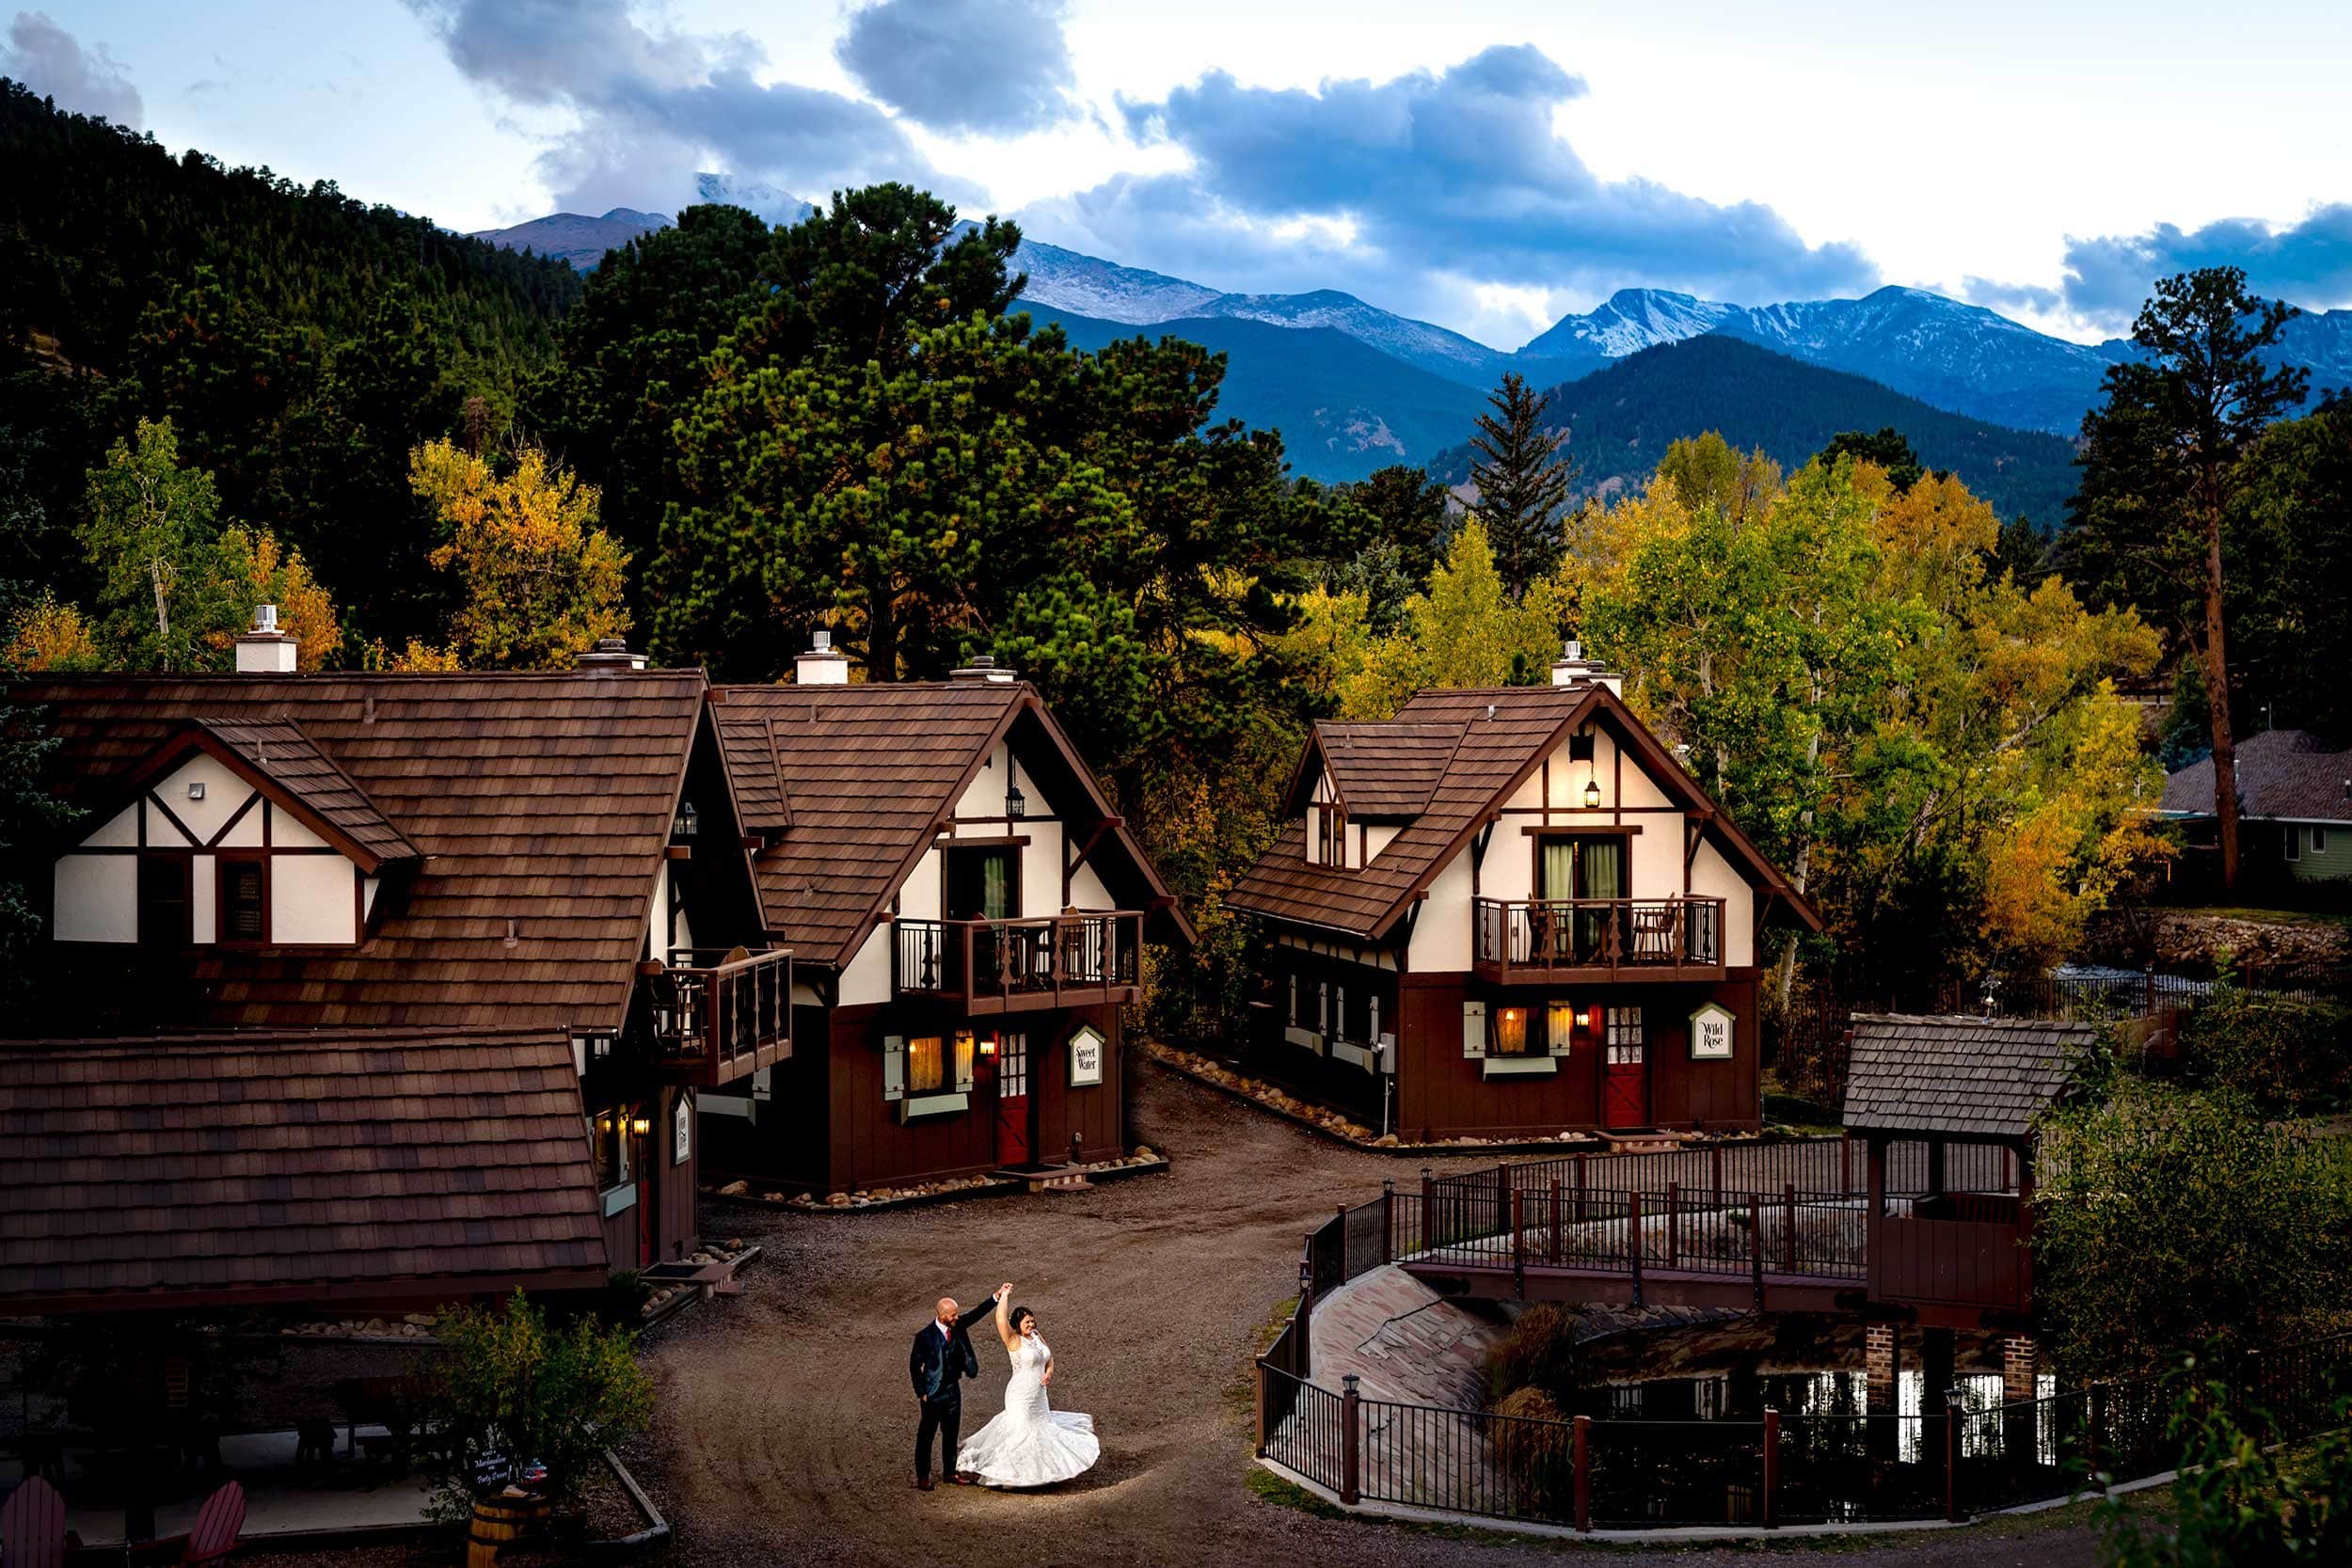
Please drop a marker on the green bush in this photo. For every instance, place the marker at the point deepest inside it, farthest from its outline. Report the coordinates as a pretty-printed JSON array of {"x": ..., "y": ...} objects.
[
  {"x": 2292, "y": 1055},
  {"x": 509, "y": 1382},
  {"x": 1540, "y": 1353}
]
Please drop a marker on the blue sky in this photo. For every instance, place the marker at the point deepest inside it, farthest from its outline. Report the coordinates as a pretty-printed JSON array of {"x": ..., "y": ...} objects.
[{"x": 1486, "y": 165}]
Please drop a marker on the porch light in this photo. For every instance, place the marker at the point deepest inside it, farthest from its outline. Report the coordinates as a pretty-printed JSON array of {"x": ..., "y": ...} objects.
[
  {"x": 687, "y": 821},
  {"x": 987, "y": 1045},
  {"x": 643, "y": 1126},
  {"x": 1591, "y": 794},
  {"x": 1585, "y": 1018},
  {"x": 1016, "y": 802},
  {"x": 195, "y": 789}
]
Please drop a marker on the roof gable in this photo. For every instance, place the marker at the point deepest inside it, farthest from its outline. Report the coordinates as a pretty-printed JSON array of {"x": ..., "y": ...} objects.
[
  {"x": 276, "y": 758},
  {"x": 1385, "y": 772},
  {"x": 1964, "y": 1077}
]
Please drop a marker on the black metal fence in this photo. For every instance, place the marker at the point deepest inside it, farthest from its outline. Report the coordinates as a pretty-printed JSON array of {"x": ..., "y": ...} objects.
[{"x": 1962, "y": 1458}]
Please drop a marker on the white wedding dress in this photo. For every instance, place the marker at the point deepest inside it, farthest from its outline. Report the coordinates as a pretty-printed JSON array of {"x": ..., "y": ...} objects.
[{"x": 1030, "y": 1444}]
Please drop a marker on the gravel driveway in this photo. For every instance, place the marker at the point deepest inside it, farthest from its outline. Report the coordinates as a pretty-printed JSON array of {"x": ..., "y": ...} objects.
[{"x": 785, "y": 1426}]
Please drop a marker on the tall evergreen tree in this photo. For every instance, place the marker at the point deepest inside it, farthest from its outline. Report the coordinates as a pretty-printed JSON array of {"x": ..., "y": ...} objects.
[
  {"x": 1523, "y": 481},
  {"x": 2164, "y": 462}
]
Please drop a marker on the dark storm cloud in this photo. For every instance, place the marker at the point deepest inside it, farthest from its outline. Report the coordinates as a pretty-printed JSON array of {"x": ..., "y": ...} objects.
[
  {"x": 2308, "y": 263},
  {"x": 997, "y": 67},
  {"x": 51, "y": 61}
]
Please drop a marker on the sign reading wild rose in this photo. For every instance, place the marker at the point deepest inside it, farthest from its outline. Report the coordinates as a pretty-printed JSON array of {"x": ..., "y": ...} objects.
[{"x": 1710, "y": 1033}]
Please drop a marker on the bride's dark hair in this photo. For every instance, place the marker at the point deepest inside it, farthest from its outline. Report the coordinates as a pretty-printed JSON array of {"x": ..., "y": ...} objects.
[{"x": 1019, "y": 1315}]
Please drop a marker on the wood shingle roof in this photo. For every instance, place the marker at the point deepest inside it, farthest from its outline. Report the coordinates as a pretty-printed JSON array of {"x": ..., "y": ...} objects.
[
  {"x": 264, "y": 1165},
  {"x": 2282, "y": 775},
  {"x": 1961, "y": 1077},
  {"x": 1386, "y": 772},
  {"x": 280, "y": 752},
  {"x": 540, "y": 802}
]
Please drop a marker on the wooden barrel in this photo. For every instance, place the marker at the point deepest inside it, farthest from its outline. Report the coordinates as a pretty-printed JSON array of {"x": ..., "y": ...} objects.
[{"x": 498, "y": 1520}]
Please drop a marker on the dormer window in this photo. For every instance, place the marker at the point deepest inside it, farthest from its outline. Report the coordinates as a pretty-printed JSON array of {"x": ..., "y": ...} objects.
[{"x": 1326, "y": 834}]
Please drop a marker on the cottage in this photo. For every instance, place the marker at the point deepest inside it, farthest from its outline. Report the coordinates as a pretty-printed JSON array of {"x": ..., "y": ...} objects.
[
  {"x": 1506, "y": 913},
  {"x": 2295, "y": 798},
  {"x": 967, "y": 914},
  {"x": 432, "y": 876}
]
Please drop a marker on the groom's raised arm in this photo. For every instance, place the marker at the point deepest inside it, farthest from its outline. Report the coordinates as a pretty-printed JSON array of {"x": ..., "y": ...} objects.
[{"x": 987, "y": 1306}]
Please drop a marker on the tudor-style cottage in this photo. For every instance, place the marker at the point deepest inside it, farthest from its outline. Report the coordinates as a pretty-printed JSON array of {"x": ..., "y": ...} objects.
[
  {"x": 1511, "y": 912},
  {"x": 967, "y": 916},
  {"x": 482, "y": 938}
]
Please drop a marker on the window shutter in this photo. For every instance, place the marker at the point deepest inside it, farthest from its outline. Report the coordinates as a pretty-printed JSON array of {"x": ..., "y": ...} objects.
[
  {"x": 1473, "y": 1030},
  {"x": 893, "y": 1066},
  {"x": 1293, "y": 1012},
  {"x": 1562, "y": 1026},
  {"x": 1339, "y": 1012},
  {"x": 963, "y": 1064},
  {"x": 1323, "y": 1006},
  {"x": 1373, "y": 1007}
]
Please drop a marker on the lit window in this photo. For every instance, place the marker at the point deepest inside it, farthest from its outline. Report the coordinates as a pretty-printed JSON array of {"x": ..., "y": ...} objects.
[
  {"x": 1559, "y": 1026},
  {"x": 609, "y": 1135},
  {"x": 1510, "y": 1033},
  {"x": 927, "y": 1065}
]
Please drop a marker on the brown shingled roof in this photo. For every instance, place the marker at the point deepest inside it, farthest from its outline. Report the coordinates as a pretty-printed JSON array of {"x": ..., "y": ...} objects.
[
  {"x": 1386, "y": 772},
  {"x": 1965, "y": 1077},
  {"x": 1505, "y": 732},
  {"x": 277, "y": 752},
  {"x": 541, "y": 802},
  {"x": 266, "y": 1166},
  {"x": 2282, "y": 775},
  {"x": 872, "y": 770}
]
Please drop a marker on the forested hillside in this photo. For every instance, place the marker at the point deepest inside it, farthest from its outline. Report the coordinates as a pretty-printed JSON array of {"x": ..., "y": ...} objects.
[
  {"x": 1622, "y": 419},
  {"x": 300, "y": 342}
]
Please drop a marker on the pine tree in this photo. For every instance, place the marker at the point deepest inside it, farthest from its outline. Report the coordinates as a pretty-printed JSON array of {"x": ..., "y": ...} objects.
[{"x": 1523, "y": 480}]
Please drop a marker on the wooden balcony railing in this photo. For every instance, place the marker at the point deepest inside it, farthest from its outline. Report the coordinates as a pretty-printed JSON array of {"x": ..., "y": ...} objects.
[
  {"x": 1544, "y": 937},
  {"x": 1021, "y": 965},
  {"x": 716, "y": 1018}
]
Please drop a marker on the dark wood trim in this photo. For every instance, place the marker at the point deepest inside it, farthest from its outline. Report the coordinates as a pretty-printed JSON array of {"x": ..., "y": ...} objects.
[
  {"x": 1582, "y": 830},
  {"x": 238, "y": 816},
  {"x": 208, "y": 849},
  {"x": 1587, "y": 811},
  {"x": 173, "y": 817},
  {"x": 976, "y": 840},
  {"x": 678, "y": 852},
  {"x": 220, "y": 901}
]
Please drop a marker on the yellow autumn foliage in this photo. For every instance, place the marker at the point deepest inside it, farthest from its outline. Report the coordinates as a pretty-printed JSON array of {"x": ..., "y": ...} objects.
[{"x": 51, "y": 637}]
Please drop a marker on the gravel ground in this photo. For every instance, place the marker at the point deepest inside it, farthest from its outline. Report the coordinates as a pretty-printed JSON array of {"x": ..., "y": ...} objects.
[{"x": 785, "y": 1430}]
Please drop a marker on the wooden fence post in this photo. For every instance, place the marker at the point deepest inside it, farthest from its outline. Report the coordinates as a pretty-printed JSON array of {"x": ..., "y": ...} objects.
[
  {"x": 1351, "y": 1454},
  {"x": 1954, "y": 1403},
  {"x": 1303, "y": 1342},
  {"x": 1585, "y": 1473},
  {"x": 1673, "y": 1224},
  {"x": 1432, "y": 1229},
  {"x": 1633, "y": 1239},
  {"x": 1263, "y": 1397},
  {"x": 1788, "y": 1241},
  {"x": 1519, "y": 1246},
  {"x": 1553, "y": 1248},
  {"x": 1756, "y": 1247},
  {"x": 1771, "y": 1466},
  {"x": 1388, "y": 1220}
]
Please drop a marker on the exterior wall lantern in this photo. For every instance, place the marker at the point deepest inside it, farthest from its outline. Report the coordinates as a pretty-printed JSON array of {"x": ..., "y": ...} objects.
[
  {"x": 643, "y": 1126},
  {"x": 1016, "y": 803},
  {"x": 1591, "y": 794},
  {"x": 688, "y": 823}
]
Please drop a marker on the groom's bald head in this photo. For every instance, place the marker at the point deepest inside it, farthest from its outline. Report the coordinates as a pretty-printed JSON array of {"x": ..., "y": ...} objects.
[{"x": 947, "y": 1310}]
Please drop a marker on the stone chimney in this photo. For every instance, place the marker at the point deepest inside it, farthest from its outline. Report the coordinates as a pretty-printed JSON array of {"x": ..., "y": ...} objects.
[
  {"x": 983, "y": 668},
  {"x": 266, "y": 650},
  {"x": 610, "y": 655},
  {"x": 1573, "y": 668},
  {"x": 822, "y": 665}
]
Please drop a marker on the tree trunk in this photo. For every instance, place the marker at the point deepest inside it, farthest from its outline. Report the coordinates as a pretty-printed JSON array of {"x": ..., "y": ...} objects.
[
  {"x": 163, "y": 611},
  {"x": 2217, "y": 699}
]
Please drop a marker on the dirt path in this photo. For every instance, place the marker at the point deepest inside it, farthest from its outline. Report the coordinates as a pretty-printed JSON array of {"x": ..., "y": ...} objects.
[{"x": 785, "y": 1426}]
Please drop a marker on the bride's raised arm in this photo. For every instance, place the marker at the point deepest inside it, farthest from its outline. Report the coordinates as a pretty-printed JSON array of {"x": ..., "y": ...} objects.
[{"x": 1004, "y": 1318}]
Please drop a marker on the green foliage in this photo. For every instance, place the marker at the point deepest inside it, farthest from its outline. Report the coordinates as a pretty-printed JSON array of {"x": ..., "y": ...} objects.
[
  {"x": 511, "y": 1381},
  {"x": 2166, "y": 1216},
  {"x": 2289, "y": 546},
  {"x": 1523, "y": 477},
  {"x": 1888, "y": 449},
  {"x": 2237, "y": 1500},
  {"x": 2290, "y": 1055},
  {"x": 1407, "y": 511},
  {"x": 154, "y": 527}
]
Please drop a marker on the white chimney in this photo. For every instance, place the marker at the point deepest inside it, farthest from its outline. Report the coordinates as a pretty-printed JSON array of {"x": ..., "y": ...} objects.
[
  {"x": 608, "y": 655},
  {"x": 1573, "y": 668},
  {"x": 822, "y": 665},
  {"x": 983, "y": 668},
  {"x": 266, "y": 650}
]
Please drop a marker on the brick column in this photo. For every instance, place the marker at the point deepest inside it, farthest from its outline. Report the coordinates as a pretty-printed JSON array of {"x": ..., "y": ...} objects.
[
  {"x": 1881, "y": 1358},
  {"x": 2020, "y": 1360}
]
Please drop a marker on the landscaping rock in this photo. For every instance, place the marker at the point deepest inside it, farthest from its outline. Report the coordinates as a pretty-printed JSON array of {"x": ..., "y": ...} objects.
[{"x": 734, "y": 1189}]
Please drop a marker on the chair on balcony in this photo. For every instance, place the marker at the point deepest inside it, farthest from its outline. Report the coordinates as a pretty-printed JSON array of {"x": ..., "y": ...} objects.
[{"x": 1654, "y": 932}]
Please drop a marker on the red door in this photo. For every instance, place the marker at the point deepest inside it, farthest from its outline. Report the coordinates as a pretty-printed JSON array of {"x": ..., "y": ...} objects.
[
  {"x": 1012, "y": 1100},
  {"x": 1624, "y": 1069}
]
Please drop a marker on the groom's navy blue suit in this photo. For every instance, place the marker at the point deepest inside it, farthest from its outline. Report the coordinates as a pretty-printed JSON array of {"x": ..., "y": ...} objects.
[{"x": 938, "y": 1364}]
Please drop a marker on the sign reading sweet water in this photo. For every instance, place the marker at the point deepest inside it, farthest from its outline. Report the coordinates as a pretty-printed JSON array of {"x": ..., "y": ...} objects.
[
  {"x": 1085, "y": 1057},
  {"x": 1710, "y": 1033}
]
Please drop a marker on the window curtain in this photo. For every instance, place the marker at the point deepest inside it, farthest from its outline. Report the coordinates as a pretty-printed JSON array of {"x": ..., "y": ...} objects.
[
  {"x": 1558, "y": 869},
  {"x": 996, "y": 886},
  {"x": 1600, "y": 867}
]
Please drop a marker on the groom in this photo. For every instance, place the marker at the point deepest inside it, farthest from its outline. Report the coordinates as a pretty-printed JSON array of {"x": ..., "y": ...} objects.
[{"x": 941, "y": 1360}]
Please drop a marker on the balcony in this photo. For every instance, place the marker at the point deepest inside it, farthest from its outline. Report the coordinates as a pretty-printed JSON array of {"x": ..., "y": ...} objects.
[
  {"x": 1564, "y": 940},
  {"x": 717, "y": 1017},
  {"x": 1012, "y": 966}
]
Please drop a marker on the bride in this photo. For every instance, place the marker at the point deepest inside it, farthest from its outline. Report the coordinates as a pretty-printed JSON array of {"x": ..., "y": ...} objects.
[{"x": 1030, "y": 1444}]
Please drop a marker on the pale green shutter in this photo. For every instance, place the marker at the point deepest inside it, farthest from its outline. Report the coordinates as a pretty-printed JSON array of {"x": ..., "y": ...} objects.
[
  {"x": 893, "y": 1066},
  {"x": 1473, "y": 1030}
]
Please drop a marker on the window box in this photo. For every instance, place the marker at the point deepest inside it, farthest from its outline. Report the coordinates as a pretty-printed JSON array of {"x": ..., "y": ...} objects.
[
  {"x": 1364, "y": 1056},
  {"x": 1520, "y": 1067},
  {"x": 619, "y": 1198},
  {"x": 1306, "y": 1039},
  {"x": 933, "y": 1105}
]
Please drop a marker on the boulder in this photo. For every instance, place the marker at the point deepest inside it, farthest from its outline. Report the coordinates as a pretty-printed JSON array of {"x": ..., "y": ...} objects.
[
  {"x": 839, "y": 1200},
  {"x": 1143, "y": 1151},
  {"x": 734, "y": 1189}
]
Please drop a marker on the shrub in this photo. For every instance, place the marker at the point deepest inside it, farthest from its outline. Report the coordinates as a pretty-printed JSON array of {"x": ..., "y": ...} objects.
[
  {"x": 2292, "y": 1055},
  {"x": 1540, "y": 1353},
  {"x": 2167, "y": 1216},
  {"x": 1535, "y": 1448},
  {"x": 511, "y": 1385}
]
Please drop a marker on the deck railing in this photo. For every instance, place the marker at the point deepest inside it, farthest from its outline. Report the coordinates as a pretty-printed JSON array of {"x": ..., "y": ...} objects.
[
  {"x": 1599, "y": 933},
  {"x": 1040, "y": 959},
  {"x": 720, "y": 1015}
]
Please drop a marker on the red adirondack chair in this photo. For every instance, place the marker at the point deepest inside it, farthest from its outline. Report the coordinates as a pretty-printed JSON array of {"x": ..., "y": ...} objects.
[
  {"x": 214, "y": 1535},
  {"x": 32, "y": 1527}
]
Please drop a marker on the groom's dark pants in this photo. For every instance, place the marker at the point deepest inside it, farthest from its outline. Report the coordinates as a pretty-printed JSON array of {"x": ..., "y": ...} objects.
[{"x": 945, "y": 1416}]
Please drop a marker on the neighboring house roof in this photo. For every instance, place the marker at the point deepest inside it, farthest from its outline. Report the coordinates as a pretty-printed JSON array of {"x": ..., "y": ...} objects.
[
  {"x": 1963, "y": 1077},
  {"x": 270, "y": 1166},
  {"x": 281, "y": 760},
  {"x": 1505, "y": 732},
  {"x": 541, "y": 803},
  {"x": 1384, "y": 771},
  {"x": 2284, "y": 775},
  {"x": 874, "y": 772}
]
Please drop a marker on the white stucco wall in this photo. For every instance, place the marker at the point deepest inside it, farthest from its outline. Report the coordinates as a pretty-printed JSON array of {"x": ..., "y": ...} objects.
[
  {"x": 311, "y": 899},
  {"x": 1712, "y": 877},
  {"x": 97, "y": 898},
  {"x": 203, "y": 900},
  {"x": 119, "y": 831},
  {"x": 868, "y": 977},
  {"x": 1441, "y": 934},
  {"x": 224, "y": 793},
  {"x": 287, "y": 833}
]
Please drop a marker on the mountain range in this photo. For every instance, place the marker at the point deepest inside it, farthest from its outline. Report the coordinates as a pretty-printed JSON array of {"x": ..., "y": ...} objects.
[{"x": 1353, "y": 386}]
